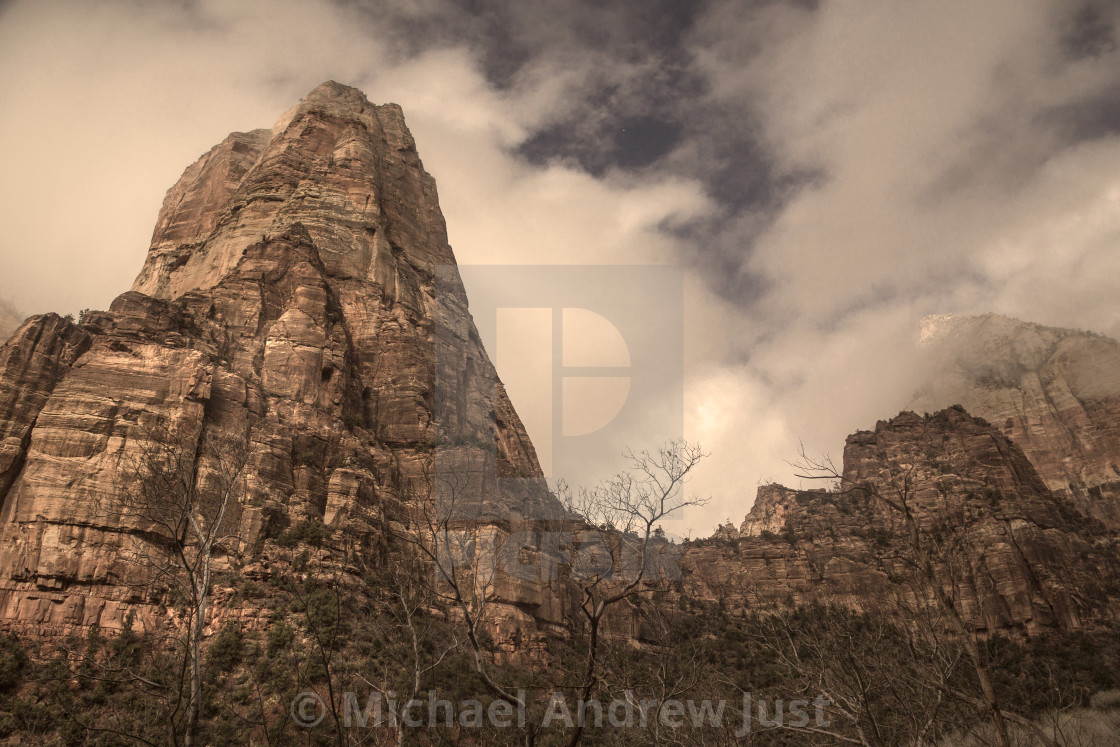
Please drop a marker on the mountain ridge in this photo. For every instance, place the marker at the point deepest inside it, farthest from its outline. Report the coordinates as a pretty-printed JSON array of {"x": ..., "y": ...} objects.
[{"x": 1055, "y": 392}]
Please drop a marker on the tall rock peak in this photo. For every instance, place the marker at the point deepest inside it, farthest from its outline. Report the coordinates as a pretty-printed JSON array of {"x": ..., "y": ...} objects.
[
  {"x": 344, "y": 169},
  {"x": 290, "y": 303}
]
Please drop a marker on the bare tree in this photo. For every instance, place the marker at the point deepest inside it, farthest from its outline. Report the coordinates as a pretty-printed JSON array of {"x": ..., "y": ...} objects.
[
  {"x": 619, "y": 561},
  {"x": 929, "y": 560},
  {"x": 883, "y": 686},
  {"x": 181, "y": 498},
  {"x": 410, "y": 625},
  {"x": 465, "y": 555}
]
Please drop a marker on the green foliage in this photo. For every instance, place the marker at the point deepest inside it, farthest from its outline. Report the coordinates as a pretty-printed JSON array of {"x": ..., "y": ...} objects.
[
  {"x": 225, "y": 651},
  {"x": 280, "y": 639},
  {"x": 13, "y": 661},
  {"x": 311, "y": 532},
  {"x": 715, "y": 648},
  {"x": 1055, "y": 669},
  {"x": 880, "y": 537},
  {"x": 127, "y": 648}
]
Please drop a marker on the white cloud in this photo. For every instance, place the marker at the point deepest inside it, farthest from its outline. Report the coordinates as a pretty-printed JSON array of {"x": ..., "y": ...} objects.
[{"x": 947, "y": 183}]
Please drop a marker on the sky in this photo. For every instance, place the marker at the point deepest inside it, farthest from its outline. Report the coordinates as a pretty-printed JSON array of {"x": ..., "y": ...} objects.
[{"x": 825, "y": 174}]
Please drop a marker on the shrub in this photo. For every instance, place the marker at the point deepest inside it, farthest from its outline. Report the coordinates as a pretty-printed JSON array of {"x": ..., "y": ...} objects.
[
  {"x": 225, "y": 651},
  {"x": 311, "y": 532},
  {"x": 13, "y": 661},
  {"x": 280, "y": 639},
  {"x": 1107, "y": 700}
]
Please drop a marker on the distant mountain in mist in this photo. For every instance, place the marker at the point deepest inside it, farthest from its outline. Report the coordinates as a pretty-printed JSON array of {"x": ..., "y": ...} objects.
[
  {"x": 1054, "y": 392},
  {"x": 10, "y": 319}
]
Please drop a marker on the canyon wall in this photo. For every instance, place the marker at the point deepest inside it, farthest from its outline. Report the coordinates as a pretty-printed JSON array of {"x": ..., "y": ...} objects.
[
  {"x": 300, "y": 303},
  {"x": 1054, "y": 392},
  {"x": 1012, "y": 554}
]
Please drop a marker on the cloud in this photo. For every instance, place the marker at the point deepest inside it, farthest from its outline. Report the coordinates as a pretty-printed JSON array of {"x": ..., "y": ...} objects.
[
  {"x": 960, "y": 158},
  {"x": 107, "y": 103},
  {"x": 115, "y": 101}
]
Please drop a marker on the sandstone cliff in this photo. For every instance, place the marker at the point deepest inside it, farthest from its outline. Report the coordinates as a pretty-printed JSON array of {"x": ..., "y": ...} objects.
[
  {"x": 1014, "y": 555},
  {"x": 300, "y": 299},
  {"x": 1054, "y": 392}
]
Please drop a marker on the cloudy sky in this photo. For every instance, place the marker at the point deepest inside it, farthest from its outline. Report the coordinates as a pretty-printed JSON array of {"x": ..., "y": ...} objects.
[{"x": 826, "y": 174}]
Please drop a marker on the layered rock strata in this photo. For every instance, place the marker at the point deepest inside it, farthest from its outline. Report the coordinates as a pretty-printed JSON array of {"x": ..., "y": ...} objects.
[
  {"x": 300, "y": 300},
  {"x": 300, "y": 304},
  {"x": 1054, "y": 392},
  {"x": 1012, "y": 554}
]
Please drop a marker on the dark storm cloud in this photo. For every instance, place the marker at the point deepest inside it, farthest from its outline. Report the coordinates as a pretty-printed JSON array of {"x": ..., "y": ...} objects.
[
  {"x": 1090, "y": 30},
  {"x": 1094, "y": 117},
  {"x": 621, "y": 123},
  {"x": 639, "y": 102},
  {"x": 630, "y": 107},
  {"x": 642, "y": 96},
  {"x": 507, "y": 35}
]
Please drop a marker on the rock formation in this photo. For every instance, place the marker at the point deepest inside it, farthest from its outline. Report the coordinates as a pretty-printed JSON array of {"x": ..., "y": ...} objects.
[
  {"x": 300, "y": 304},
  {"x": 1054, "y": 392},
  {"x": 299, "y": 299},
  {"x": 1015, "y": 555}
]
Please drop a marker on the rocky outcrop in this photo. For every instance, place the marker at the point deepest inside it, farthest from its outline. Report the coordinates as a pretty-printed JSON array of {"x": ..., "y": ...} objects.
[
  {"x": 299, "y": 300},
  {"x": 769, "y": 511},
  {"x": 1012, "y": 554},
  {"x": 1054, "y": 392}
]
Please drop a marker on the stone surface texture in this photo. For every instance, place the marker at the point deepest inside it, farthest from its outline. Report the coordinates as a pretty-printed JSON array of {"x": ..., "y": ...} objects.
[
  {"x": 299, "y": 298},
  {"x": 300, "y": 302},
  {"x": 1011, "y": 553}
]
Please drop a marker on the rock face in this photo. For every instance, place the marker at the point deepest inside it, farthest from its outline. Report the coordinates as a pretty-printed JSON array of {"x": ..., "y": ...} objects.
[
  {"x": 299, "y": 299},
  {"x": 1054, "y": 392},
  {"x": 1013, "y": 555},
  {"x": 300, "y": 304}
]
